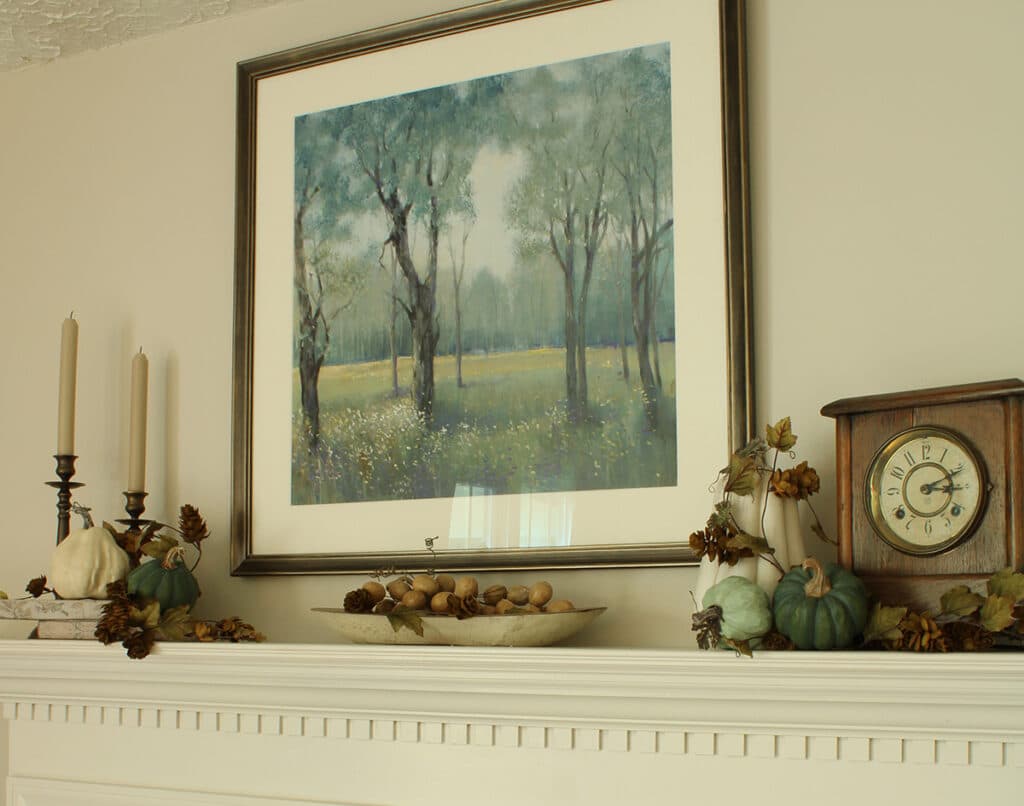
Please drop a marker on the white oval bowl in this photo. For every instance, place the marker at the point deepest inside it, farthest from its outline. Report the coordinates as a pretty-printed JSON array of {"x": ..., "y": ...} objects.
[{"x": 511, "y": 629}]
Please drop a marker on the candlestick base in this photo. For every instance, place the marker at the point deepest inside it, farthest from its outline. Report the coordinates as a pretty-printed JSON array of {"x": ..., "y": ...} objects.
[
  {"x": 134, "y": 505},
  {"x": 65, "y": 470}
]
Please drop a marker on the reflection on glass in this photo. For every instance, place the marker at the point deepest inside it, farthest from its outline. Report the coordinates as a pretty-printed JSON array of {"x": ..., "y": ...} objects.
[{"x": 482, "y": 520}]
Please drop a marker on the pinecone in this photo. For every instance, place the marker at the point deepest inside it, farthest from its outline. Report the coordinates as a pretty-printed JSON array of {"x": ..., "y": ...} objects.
[
  {"x": 921, "y": 633},
  {"x": 775, "y": 640},
  {"x": 192, "y": 526},
  {"x": 113, "y": 624},
  {"x": 358, "y": 601},
  {"x": 37, "y": 587},
  {"x": 139, "y": 644},
  {"x": 966, "y": 636},
  {"x": 799, "y": 482}
]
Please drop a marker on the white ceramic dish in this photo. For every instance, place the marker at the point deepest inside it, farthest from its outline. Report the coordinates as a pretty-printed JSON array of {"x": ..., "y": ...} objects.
[{"x": 523, "y": 629}]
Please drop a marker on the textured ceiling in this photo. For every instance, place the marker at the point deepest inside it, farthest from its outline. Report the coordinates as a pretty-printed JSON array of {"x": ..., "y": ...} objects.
[{"x": 38, "y": 31}]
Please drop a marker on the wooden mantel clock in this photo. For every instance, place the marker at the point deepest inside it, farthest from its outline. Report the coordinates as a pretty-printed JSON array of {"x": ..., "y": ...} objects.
[{"x": 930, "y": 488}]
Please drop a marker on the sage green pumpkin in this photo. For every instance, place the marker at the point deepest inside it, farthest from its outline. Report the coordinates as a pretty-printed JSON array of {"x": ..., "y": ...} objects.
[
  {"x": 168, "y": 581},
  {"x": 821, "y": 608},
  {"x": 746, "y": 612}
]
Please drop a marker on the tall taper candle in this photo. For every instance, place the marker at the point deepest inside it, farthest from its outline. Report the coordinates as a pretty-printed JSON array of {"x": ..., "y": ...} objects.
[
  {"x": 66, "y": 393},
  {"x": 137, "y": 424}
]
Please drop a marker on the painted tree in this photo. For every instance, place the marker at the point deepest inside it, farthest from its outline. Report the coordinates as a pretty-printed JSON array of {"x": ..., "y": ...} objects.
[
  {"x": 458, "y": 275},
  {"x": 324, "y": 285},
  {"x": 642, "y": 158},
  {"x": 561, "y": 200},
  {"x": 414, "y": 153}
]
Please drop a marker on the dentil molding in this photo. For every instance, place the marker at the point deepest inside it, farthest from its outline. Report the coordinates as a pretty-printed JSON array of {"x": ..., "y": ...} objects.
[{"x": 957, "y": 709}]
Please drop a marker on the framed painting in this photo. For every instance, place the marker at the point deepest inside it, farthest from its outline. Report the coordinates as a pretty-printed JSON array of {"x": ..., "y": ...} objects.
[{"x": 492, "y": 287}]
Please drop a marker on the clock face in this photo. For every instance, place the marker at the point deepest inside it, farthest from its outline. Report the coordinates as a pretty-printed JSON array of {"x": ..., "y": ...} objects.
[{"x": 925, "y": 490}]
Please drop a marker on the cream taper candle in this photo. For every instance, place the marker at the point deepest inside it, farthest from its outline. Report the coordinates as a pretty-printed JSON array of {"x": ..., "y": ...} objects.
[
  {"x": 137, "y": 424},
  {"x": 66, "y": 388}
]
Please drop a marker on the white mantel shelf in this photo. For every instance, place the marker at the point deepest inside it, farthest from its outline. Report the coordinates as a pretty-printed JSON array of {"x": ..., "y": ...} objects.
[
  {"x": 297, "y": 725},
  {"x": 630, "y": 698}
]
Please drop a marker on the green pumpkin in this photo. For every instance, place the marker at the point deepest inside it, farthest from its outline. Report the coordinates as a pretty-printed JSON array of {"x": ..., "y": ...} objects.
[
  {"x": 820, "y": 608},
  {"x": 746, "y": 612},
  {"x": 168, "y": 581}
]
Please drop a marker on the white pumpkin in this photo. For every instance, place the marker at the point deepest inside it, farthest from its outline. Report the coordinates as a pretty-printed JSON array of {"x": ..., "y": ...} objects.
[
  {"x": 85, "y": 562},
  {"x": 782, "y": 530}
]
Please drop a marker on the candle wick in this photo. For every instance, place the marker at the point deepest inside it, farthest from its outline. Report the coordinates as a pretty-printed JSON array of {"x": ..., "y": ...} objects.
[
  {"x": 140, "y": 348},
  {"x": 72, "y": 315}
]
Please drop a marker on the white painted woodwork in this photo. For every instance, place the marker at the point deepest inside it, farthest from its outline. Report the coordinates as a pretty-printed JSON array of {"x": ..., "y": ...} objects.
[{"x": 297, "y": 724}]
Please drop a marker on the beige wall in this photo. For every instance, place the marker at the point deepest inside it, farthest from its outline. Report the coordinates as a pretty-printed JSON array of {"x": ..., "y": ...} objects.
[{"x": 886, "y": 173}]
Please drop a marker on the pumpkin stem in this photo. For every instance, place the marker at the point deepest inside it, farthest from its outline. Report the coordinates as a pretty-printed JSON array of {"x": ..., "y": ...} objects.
[
  {"x": 78, "y": 509},
  {"x": 818, "y": 585},
  {"x": 173, "y": 557}
]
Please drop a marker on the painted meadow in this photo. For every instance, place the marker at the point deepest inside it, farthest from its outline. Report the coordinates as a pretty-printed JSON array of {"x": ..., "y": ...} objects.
[{"x": 484, "y": 287}]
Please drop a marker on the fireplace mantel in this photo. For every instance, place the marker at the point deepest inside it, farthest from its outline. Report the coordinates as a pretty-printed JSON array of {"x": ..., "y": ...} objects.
[{"x": 603, "y": 711}]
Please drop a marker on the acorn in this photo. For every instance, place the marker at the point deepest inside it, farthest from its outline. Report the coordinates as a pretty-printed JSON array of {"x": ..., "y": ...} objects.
[
  {"x": 519, "y": 594},
  {"x": 445, "y": 582},
  {"x": 494, "y": 594},
  {"x": 504, "y": 606},
  {"x": 376, "y": 590},
  {"x": 384, "y": 606},
  {"x": 466, "y": 587},
  {"x": 425, "y": 583},
  {"x": 540, "y": 593},
  {"x": 397, "y": 588},
  {"x": 442, "y": 602},
  {"x": 415, "y": 600}
]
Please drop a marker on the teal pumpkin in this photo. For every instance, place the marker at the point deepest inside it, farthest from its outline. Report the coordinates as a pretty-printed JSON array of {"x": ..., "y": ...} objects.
[
  {"x": 820, "y": 608},
  {"x": 746, "y": 612},
  {"x": 168, "y": 581}
]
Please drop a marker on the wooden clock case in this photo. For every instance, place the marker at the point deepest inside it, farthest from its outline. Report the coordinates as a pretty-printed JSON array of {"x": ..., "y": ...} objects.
[{"x": 989, "y": 416}]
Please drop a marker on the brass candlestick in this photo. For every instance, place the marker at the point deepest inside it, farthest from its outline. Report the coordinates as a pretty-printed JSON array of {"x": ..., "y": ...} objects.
[
  {"x": 134, "y": 505},
  {"x": 65, "y": 470}
]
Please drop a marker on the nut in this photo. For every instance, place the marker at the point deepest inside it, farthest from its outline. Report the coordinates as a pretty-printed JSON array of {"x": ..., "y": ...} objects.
[
  {"x": 425, "y": 583},
  {"x": 466, "y": 587},
  {"x": 415, "y": 600},
  {"x": 376, "y": 590},
  {"x": 560, "y": 606},
  {"x": 487, "y": 610},
  {"x": 540, "y": 593},
  {"x": 384, "y": 606},
  {"x": 519, "y": 594},
  {"x": 446, "y": 582},
  {"x": 494, "y": 594},
  {"x": 504, "y": 606},
  {"x": 442, "y": 602},
  {"x": 397, "y": 588}
]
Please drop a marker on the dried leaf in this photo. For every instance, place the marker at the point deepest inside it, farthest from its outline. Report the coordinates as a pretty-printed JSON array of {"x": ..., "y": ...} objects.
[
  {"x": 997, "y": 613},
  {"x": 741, "y": 475},
  {"x": 147, "y": 618},
  {"x": 884, "y": 624},
  {"x": 37, "y": 587},
  {"x": 756, "y": 545},
  {"x": 722, "y": 516},
  {"x": 406, "y": 617},
  {"x": 780, "y": 436},
  {"x": 158, "y": 547},
  {"x": 961, "y": 601},
  {"x": 741, "y": 647},
  {"x": 175, "y": 624},
  {"x": 1007, "y": 583}
]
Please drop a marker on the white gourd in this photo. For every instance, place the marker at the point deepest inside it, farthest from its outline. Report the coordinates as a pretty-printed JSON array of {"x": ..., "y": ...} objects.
[
  {"x": 85, "y": 562},
  {"x": 781, "y": 529}
]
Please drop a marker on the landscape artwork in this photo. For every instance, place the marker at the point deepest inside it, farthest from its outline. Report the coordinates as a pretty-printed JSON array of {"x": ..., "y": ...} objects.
[{"x": 484, "y": 289}]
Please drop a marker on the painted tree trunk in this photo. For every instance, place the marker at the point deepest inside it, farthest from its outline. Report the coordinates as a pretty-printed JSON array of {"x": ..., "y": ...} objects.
[{"x": 310, "y": 357}]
